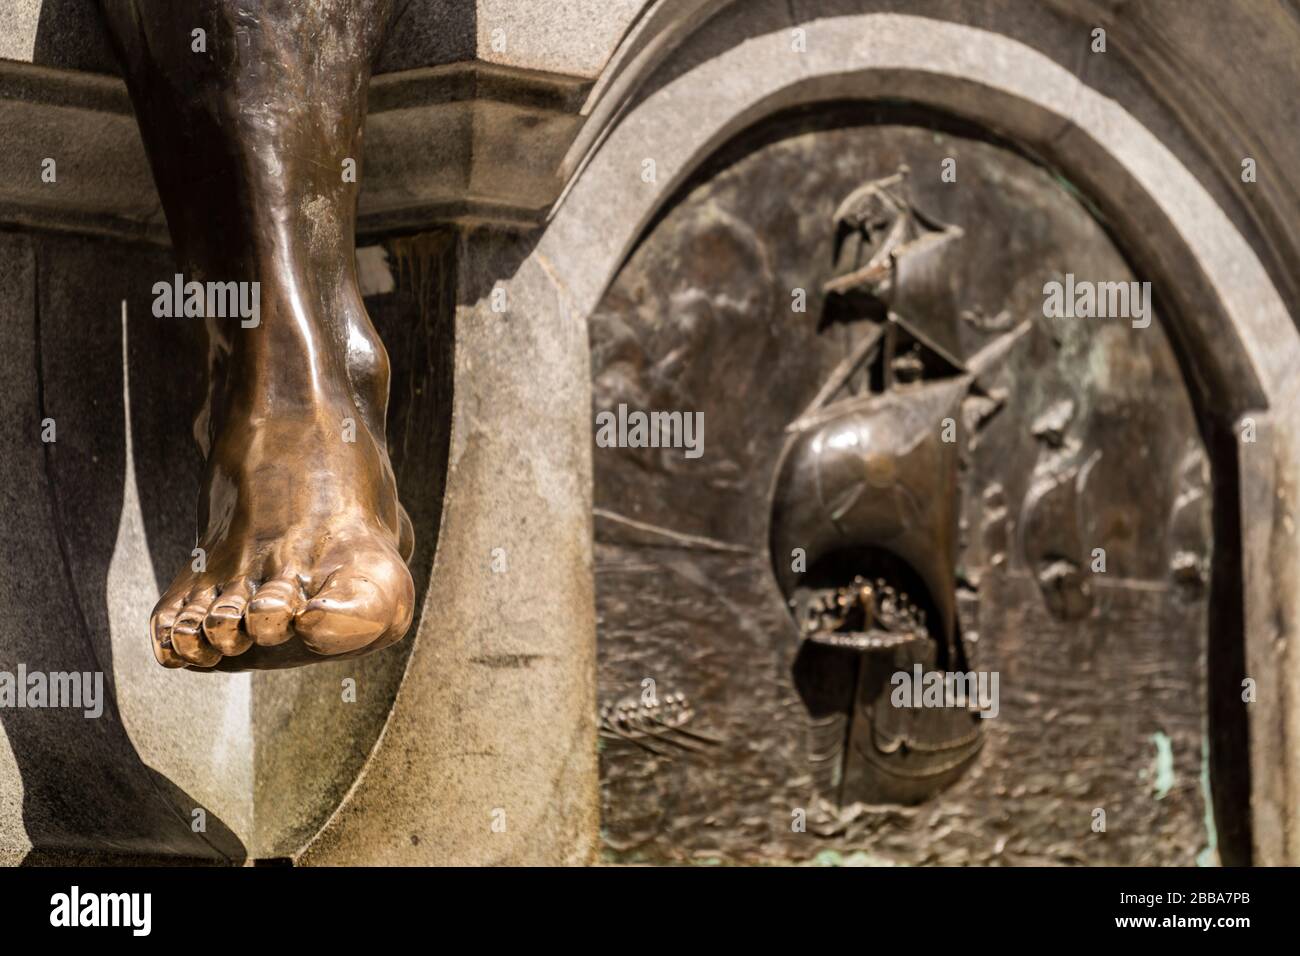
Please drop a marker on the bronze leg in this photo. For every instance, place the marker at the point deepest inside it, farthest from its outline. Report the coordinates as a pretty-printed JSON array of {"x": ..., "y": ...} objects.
[{"x": 253, "y": 128}]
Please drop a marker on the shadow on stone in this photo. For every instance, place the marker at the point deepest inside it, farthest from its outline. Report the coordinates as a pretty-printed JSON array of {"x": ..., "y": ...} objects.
[{"x": 87, "y": 795}]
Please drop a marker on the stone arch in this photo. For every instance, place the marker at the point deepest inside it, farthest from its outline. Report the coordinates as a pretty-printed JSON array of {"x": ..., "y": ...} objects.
[{"x": 1236, "y": 338}]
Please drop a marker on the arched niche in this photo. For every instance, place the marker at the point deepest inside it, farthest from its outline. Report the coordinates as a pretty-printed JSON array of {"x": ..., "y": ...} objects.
[{"x": 1235, "y": 340}]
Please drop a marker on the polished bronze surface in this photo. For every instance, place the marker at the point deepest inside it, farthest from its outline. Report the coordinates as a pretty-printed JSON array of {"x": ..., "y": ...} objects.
[
  {"x": 907, "y": 463},
  {"x": 251, "y": 113}
]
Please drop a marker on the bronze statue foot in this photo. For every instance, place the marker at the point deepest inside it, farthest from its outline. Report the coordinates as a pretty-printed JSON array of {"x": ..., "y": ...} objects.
[
  {"x": 252, "y": 115},
  {"x": 306, "y": 548}
]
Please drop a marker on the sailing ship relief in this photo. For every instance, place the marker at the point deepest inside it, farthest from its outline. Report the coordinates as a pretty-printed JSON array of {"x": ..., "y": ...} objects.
[{"x": 867, "y": 495}]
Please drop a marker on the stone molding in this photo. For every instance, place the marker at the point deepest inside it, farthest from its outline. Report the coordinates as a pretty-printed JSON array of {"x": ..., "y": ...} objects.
[{"x": 466, "y": 143}]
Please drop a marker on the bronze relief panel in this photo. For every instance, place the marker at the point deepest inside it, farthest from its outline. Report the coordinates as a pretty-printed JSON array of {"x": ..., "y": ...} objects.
[{"x": 903, "y": 463}]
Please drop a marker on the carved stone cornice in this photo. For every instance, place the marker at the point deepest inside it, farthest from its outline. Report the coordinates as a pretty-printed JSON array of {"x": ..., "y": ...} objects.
[{"x": 464, "y": 143}]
